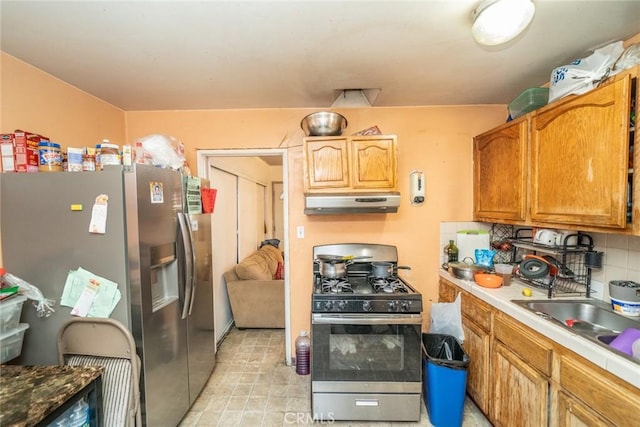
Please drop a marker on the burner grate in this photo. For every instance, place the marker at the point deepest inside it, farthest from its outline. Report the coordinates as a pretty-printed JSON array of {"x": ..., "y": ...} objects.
[
  {"x": 388, "y": 285},
  {"x": 335, "y": 286}
]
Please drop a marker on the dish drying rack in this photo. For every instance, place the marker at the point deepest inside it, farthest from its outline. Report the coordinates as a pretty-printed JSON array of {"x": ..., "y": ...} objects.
[{"x": 573, "y": 275}]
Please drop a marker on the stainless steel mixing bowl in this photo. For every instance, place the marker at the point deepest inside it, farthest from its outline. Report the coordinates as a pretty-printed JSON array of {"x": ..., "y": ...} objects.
[{"x": 324, "y": 123}]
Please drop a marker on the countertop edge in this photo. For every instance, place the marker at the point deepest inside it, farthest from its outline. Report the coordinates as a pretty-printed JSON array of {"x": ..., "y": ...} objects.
[
  {"x": 29, "y": 394},
  {"x": 500, "y": 298}
]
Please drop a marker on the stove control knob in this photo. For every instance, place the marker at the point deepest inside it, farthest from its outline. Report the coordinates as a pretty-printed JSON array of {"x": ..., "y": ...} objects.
[
  {"x": 406, "y": 305},
  {"x": 342, "y": 305},
  {"x": 328, "y": 306},
  {"x": 392, "y": 305},
  {"x": 366, "y": 306}
]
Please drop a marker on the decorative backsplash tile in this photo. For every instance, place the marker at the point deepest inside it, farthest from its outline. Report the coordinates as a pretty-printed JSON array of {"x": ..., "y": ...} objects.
[{"x": 621, "y": 259}]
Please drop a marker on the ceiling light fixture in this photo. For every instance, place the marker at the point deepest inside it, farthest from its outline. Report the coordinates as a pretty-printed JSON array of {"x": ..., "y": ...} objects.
[
  {"x": 355, "y": 98},
  {"x": 497, "y": 21}
]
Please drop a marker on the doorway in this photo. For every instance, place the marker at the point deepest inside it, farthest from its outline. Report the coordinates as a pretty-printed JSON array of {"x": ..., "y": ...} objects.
[
  {"x": 277, "y": 211},
  {"x": 272, "y": 196}
]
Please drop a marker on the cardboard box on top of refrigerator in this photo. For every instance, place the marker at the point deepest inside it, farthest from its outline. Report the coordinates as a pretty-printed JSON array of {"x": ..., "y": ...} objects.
[
  {"x": 26, "y": 150},
  {"x": 7, "y": 152}
]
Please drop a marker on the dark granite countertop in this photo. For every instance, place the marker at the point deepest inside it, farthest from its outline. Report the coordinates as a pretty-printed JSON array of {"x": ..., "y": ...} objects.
[{"x": 29, "y": 393}]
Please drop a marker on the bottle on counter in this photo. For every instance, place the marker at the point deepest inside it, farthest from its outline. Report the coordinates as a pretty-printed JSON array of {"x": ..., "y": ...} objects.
[
  {"x": 303, "y": 354},
  {"x": 451, "y": 252}
]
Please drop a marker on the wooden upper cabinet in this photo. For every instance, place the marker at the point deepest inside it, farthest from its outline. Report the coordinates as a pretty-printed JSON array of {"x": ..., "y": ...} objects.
[
  {"x": 565, "y": 164},
  {"x": 499, "y": 163},
  {"x": 579, "y": 159},
  {"x": 374, "y": 163},
  {"x": 350, "y": 164},
  {"x": 326, "y": 163}
]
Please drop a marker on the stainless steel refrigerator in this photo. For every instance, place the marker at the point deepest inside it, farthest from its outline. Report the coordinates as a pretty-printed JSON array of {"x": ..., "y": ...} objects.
[{"x": 159, "y": 257}]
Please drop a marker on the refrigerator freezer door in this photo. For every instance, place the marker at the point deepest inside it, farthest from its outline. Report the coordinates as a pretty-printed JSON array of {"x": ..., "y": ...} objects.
[
  {"x": 160, "y": 331},
  {"x": 202, "y": 346}
]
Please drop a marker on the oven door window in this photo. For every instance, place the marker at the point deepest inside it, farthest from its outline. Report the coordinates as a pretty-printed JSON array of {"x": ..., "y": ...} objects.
[{"x": 381, "y": 352}]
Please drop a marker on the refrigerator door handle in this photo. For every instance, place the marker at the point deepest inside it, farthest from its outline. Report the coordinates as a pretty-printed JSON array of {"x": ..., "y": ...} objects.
[
  {"x": 192, "y": 249},
  {"x": 185, "y": 235}
]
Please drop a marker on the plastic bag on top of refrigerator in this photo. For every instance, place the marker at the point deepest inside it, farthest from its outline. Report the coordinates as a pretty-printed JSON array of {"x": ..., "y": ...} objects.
[{"x": 165, "y": 151}]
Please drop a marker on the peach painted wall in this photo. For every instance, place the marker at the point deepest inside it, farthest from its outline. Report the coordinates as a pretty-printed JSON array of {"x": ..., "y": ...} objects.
[
  {"x": 437, "y": 140},
  {"x": 38, "y": 102}
]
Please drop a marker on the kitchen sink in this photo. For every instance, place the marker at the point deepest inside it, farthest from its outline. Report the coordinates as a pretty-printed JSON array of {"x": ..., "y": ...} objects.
[{"x": 591, "y": 319}]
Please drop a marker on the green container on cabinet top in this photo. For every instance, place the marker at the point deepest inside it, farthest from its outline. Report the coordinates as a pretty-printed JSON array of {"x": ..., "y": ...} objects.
[{"x": 529, "y": 100}]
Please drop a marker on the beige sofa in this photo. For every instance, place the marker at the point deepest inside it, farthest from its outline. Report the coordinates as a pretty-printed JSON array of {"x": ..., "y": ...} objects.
[{"x": 256, "y": 292}]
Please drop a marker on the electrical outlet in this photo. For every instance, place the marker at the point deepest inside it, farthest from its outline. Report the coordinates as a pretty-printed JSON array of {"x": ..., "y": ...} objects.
[{"x": 300, "y": 232}]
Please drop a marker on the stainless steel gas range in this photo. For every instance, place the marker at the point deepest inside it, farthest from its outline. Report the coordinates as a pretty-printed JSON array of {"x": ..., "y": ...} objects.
[{"x": 366, "y": 358}]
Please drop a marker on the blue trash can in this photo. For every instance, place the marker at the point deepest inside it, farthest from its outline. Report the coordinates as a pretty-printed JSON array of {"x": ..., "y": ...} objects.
[{"x": 445, "y": 366}]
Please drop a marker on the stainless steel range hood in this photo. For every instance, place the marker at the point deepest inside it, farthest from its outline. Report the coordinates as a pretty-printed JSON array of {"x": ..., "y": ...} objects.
[{"x": 351, "y": 203}]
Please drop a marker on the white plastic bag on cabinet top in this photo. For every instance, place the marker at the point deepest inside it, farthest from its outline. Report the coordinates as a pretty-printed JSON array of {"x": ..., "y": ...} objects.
[
  {"x": 629, "y": 58},
  {"x": 582, "y": 75}
]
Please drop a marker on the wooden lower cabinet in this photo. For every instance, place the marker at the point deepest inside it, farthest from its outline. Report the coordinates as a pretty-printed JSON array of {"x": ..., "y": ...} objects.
[
  {"x": 447, "y": 291},
  {"x": 524, "y": 342},
  {"x": 521, "y": 394},
  {"x": 476, "y": 327},
  {"x": 518, "y": 377},
  {"x": 476, "y": 345},
  {"x": 608, "y": 396},
  {"x": 573, "y": 413}
]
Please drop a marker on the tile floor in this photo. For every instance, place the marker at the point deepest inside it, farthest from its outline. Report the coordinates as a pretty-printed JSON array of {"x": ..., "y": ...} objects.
[{"x": 252, "y": 386}]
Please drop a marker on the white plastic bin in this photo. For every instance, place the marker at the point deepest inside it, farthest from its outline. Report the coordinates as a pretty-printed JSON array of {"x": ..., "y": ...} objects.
[
  {"x": 10, "y": 310},
  {"x": 11, "y": 342}
]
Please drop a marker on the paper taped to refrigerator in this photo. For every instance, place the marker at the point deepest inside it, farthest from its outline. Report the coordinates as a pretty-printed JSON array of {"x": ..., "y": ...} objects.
[
  {"x": 192, "y": 195},
  {"x": 87, "y": 297},
  {"x": 77, "y": 293},
  {"x": 98, "y": 224}
]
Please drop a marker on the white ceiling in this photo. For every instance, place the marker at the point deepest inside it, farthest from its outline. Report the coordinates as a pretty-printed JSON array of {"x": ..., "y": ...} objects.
[{"x": 161, "y": 55}]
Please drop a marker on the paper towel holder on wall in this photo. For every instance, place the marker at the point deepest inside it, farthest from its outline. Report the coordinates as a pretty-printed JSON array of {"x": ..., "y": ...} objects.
[{"x": 416, "y": 187}]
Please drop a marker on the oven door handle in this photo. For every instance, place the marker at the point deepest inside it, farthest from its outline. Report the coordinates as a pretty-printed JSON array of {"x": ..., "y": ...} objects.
[{"x": 368, "y": 319}]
